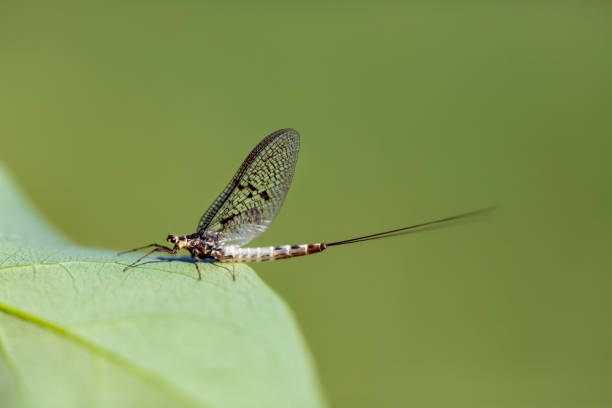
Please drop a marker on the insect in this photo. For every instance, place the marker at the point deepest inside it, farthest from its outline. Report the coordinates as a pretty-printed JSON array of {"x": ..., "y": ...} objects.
[{"x": 249, "y": 204}]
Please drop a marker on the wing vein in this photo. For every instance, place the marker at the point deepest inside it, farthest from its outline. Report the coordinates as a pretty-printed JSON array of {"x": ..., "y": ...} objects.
[{"x": 254, "y": 196}]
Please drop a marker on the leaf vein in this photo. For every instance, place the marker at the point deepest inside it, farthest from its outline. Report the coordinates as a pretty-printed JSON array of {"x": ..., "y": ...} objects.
[
  {"x": 9, "y": 257},
  {"x": 137, "y": 371},
  {"x": 74, "y": 286},
  {"x": 14, "y": 369},
  {"x": 7, "y": 267}
]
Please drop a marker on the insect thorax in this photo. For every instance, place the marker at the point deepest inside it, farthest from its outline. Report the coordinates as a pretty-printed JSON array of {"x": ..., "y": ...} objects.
[{"x": 203, "y": 246}]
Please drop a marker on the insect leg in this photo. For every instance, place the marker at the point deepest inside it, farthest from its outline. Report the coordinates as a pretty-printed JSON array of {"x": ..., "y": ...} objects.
[
  {"x": 219, "y": 266},
  {"x": 160, "y": 248},
  {"x": 199, "y": 266},
  {"x": 142, "y": 247}
]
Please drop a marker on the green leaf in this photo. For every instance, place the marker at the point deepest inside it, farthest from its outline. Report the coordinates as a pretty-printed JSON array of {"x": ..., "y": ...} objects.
[{"x": 76, "y": 331}]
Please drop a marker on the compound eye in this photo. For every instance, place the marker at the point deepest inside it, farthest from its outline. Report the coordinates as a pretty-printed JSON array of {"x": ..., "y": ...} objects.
[{"x": 171, "y": 238}]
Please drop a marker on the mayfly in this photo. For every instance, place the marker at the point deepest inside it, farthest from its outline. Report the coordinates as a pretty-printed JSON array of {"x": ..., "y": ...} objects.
[{"x": 249, "y": 204}]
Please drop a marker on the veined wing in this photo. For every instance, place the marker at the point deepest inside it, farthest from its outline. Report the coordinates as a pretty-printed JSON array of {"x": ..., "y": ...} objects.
[{"x": 253, "y": 198}]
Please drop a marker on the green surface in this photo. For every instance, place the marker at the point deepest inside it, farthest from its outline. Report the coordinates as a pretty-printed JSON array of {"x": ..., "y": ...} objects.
[
  {"x": 76, "y": 331},
  {"x": 122, "y": 122}
]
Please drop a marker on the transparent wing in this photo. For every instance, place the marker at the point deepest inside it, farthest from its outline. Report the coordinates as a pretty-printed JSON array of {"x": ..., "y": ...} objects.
[{"x": 253, "y": 198}]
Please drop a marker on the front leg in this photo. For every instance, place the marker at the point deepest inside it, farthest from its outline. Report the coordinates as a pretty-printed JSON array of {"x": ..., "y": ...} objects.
[
  {"x": 142, "y": 247},
  {"x": 158, "y": 248}
]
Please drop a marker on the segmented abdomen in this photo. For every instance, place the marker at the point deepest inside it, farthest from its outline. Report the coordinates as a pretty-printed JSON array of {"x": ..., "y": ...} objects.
[{"x": 237, "y": 254}]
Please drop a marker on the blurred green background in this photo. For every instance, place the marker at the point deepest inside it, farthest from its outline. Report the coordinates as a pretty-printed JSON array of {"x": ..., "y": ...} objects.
[{"x": 122, "y": 121}]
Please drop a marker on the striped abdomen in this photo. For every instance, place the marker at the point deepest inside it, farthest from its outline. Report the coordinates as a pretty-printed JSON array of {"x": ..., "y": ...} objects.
[{"x": 237, "y": 254}]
